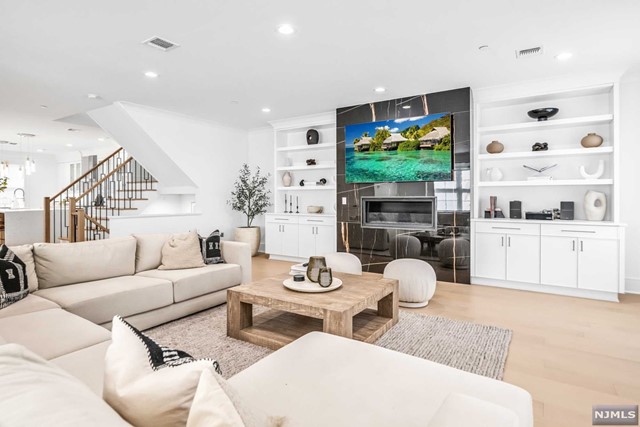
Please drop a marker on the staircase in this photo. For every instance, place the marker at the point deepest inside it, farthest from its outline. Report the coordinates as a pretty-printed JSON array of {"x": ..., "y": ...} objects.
[{"x": 81, "y": 211}]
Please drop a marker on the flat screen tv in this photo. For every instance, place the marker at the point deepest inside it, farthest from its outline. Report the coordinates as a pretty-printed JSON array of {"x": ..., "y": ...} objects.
[{"x": 400, "y": 150}]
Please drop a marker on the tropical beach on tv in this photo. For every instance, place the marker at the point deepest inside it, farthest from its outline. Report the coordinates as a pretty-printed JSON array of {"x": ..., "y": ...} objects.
[{"x": 410, "y": 149}]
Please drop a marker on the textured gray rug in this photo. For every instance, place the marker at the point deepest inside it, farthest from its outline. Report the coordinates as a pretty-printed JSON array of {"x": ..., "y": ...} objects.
[{"x": 467, "y": 346}]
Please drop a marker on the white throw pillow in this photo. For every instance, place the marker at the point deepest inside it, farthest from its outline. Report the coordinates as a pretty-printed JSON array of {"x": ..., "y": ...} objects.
[
  {"x": 147, "y": 384},
  {"x": 182, "y": 251}
]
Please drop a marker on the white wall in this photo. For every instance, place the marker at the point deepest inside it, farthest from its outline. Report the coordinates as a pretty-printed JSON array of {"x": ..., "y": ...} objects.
[
  {"x": 629, "y": 175},
  {"x": 260, "y": 149}
]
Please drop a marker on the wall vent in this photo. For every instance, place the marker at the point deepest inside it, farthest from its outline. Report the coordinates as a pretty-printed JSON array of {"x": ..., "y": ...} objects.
[
  {"x": 160, "y": 43},
  {"x": 532, "y": 51}
]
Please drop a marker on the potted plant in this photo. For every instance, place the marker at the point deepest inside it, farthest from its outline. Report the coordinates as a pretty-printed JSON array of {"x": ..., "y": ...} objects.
[{"x": 250, "y": 197}]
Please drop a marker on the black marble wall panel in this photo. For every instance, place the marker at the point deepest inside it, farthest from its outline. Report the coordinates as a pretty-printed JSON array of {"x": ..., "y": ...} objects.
[{"x": 377, "y": 247}]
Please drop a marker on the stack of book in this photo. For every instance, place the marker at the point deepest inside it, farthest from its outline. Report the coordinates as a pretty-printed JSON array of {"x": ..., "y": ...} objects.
[{"x": 297, "y": 269}]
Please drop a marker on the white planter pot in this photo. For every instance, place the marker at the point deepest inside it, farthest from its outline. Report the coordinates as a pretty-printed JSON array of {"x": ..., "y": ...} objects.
[{"x": 249, "y": 235}]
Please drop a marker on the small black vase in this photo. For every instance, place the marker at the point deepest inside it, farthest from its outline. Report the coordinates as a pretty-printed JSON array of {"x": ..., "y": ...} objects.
[{"x": 313, "y": 137}]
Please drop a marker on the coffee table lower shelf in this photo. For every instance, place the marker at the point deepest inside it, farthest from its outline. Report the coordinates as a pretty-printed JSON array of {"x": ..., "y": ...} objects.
[{"x": 275, "y": 329}]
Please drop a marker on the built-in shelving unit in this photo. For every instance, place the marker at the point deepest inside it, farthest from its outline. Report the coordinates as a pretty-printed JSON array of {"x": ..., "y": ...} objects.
[
  {"x": 548, "y": 153},
  {"x": 305, "y": 167},
  {"x": 308, "y": 188},
  {"x": 310, "y": 148},
  {"x": 528, "y": 126},
  {"x": 546, "y": 183}
]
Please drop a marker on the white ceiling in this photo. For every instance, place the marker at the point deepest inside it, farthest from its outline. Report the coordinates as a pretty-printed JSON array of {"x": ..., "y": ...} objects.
[{"x": 56, "y": 52}]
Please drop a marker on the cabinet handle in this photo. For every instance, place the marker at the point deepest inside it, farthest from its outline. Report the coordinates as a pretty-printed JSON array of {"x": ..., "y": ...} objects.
[
  {"x": 578, "y": 231},
  {"x": 573, "y": 246},
  {"x": 502, "y": 241},
  {"x": 581, "y": 245},
  {"x": 282, "y": 219},
  {"x": 509, "y": 241},
  {"x": 505, "y": 228},
  {"x": 315, "y": 220}
]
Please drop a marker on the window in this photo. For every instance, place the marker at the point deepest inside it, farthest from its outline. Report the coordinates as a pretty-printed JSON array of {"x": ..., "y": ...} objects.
[{"x": 454, "y": 195}]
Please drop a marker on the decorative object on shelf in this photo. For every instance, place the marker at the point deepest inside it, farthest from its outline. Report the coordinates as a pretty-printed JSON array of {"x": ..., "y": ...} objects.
[
  {"x": 454, "y": 251},
  {"x": 595, "y": 205},
  {"x": 495, "y": 147},
  {"x": 539, "y": 175},
  {"x": 545, "y": 215},
  {"x": 592, "y": 140},
  {"x": 311, "y": 162},
  {"x": 540, "y": 146},
  {"x": 298, "y": 278},
  {"x": 285, "y": 203},
  {"x": 297, "y": 205},
  {"x": 315, "y": 209},
  {"x": 515, "y": 209},
  {"x": 321, "y": 182},
  {"x": 542, "y": 114},
  {"x": 313, "y": 137},
  {"x": 566, "y": 211},
  {"x": 498, "y": 213},
  {"x": 326, "y": 278},
  {"x": 597, "y": 174},
  {"x": 494, "y": 174},
  {"x": 556, "y": 213},
  {"x": 250, "y": 197},
  {"x": 291, "y": 204},
  {"x": 316, "y": 263},
  {"x": 492, "y": 205},
  {"x": 286, "y": 179}
]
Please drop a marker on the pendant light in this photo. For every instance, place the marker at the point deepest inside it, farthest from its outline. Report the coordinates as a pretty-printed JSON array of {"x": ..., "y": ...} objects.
[{"x": 29, "y": 164}]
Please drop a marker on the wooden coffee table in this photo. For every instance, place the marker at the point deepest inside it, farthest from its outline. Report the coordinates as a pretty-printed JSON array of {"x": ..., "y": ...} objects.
[{"x": 345, "y": 311}]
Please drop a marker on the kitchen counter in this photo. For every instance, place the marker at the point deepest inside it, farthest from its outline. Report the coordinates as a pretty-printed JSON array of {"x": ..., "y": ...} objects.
[{"x": 21, "y": 226}]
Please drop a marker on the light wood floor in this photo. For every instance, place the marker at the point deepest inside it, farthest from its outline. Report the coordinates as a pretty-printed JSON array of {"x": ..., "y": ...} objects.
[{"x": 569, "y": 353}]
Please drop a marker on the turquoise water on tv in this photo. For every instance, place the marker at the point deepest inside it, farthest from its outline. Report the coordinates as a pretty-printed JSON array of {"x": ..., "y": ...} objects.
[{"x": 394, "y": 166}]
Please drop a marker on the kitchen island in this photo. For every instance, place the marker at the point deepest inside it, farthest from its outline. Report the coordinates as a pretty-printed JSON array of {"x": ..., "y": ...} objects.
[{"x": 21, "y": 226}]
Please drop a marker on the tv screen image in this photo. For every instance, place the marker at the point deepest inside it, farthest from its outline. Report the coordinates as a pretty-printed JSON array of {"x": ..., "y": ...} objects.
[{"x": 400, "y": 150}]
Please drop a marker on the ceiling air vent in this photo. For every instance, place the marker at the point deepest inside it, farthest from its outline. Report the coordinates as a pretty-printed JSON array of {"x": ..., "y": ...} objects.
[
  {"x": 532, "y": 51},
  {"x": 160, "y": 43}
]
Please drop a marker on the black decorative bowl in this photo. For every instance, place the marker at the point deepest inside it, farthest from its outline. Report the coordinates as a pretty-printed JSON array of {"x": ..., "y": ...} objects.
[{"x": 543, "y": 114}]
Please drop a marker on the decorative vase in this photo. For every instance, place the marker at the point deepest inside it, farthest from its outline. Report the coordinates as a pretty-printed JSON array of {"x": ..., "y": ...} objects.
[
  {"x": 595, "y": 205},
  {"x": 494, "y": 174},
  {"x": 495, "y": 147},
  {"x": 287, "y": 179},
  {"x": 326, "y": 278},
  {"x": 313, "y": 137},
  {"x": 249, "y": 235},
  {"x": 592, "y": 140},
  {"x": 316, "y": 263}
]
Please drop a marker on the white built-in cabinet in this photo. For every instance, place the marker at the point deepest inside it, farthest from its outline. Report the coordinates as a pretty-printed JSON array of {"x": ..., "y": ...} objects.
[{"x": 291, "y": 236}]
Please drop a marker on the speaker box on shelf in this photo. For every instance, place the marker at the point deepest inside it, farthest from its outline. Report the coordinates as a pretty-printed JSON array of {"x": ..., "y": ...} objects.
[
  {"x": 515, "y": 209},
  {"x": 566, "y": 210}
]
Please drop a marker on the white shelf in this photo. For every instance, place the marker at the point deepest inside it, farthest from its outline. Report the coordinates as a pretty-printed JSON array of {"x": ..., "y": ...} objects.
[
  {"x": 305, "y": 167},
  {"x": 549, "y": 153},
  {"x": 307, "y": 188},
  {"x": 313, "y": 147},
  {"x": 551, "y": 123},
  {"x": 546, "y": 183}
]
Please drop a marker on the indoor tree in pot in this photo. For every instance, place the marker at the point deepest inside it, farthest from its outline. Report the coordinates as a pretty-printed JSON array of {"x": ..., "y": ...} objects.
[{"x": 250, "y": 197}]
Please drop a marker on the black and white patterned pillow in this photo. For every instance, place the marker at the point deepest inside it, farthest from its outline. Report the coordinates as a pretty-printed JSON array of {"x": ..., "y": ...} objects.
[
  {"x": 211, "y": 250},
  {"x": 13, "y": 278}
]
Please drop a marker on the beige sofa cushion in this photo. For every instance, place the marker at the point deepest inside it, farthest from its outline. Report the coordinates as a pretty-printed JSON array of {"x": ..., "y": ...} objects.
[
  {"x": 37, "y": 393},
  {"x": 63, "y": 264},
  {"x": 25, "y": 253},
  {"x": 149, "y": 250},
  {"x": 52, "y": 333},
  {"x": 182, "y": 251},
  {"x": 86, "y": 364},
  {"x": 27, "y": 305},
  {"x": 100, "y": 300},
  {"x": 193, "y": 282}
]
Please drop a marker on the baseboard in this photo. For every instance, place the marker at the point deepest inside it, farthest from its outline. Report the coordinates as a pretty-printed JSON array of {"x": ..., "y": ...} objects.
[
  {"x": 556, "y": 290},
  {"x": 632, "y": 285}
]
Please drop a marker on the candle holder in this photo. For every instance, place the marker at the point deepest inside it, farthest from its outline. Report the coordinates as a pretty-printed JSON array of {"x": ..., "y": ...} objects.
[{"x": 297, "y": 205}]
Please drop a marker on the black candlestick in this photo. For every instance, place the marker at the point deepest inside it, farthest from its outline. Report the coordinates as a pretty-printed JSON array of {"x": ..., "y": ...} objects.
[
  {"x": 297, "y": 208},
  {"x": 290, "y": 204},
  {"x": 285, "y": 203}
]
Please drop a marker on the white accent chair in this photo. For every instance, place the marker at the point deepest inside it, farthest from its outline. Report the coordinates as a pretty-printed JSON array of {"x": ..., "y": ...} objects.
[
  {"x": 344, "y": 262},
  {"x": 417, "y": 281}
]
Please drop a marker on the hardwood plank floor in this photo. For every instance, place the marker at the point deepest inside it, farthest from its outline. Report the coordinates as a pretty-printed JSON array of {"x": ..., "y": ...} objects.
[{"x": 569, "y": 353}]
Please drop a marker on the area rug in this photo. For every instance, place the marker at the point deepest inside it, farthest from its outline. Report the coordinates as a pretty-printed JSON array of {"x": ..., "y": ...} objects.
[{"x": 471, "y": 347}]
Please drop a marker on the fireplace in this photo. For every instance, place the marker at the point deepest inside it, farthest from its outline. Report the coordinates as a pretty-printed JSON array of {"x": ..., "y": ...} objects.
[{"x": 407, "y": 213}]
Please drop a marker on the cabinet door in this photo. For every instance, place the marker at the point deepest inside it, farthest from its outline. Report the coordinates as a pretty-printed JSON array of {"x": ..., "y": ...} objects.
[
  {"x": 523, "y": 258},
  {"x": 490, "y": 255},
  {"x": 598, "y": 265},
  {"x": 273, "y": 238},
  {"x": 290, "y": 239},
  {"x": 306, "y": 241},
  {"x": 325, "y": 239},
  {"x": 559, "y": 261}
]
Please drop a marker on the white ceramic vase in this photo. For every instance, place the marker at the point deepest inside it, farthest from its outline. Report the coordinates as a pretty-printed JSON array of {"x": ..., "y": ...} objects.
[
  {"x": 249, "y": 235},
  {"x": 494, "y": 174},
  {"x": 286, "y": 179},
  {"x": 595, "y": 205}
]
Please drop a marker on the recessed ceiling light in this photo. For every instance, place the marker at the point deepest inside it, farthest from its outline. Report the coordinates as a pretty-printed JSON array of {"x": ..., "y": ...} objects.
[
  {"x": 40, "y": 150},
  {"x": 68, "y": 145},
  {"x": 266, "y": 110},
  {"x": 101, "y": 139},
  {"x": 286, "y": 29},
  {"x": 43, "y": 106},
  {"x": 406, "y": 107},
  {"x": 564, "y": 56},
  {"x": 26, "y": 135},
  {"x": 151, "y": 74},
  {"x": 92, "y": 96},
  {"x": 380, "y": 89},
  {"x": 73, "y": 130}
]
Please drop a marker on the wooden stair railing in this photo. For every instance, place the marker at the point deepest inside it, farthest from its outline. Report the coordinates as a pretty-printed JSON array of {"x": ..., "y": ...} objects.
[{"x": 82, "y": 209}]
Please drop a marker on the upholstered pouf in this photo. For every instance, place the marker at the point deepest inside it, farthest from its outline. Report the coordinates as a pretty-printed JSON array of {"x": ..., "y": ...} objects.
[
  {"x": 417, "y": 281},
  {"x": 455, "y": 251},
  {"x": 404, "y": 246},
  {"x": 344, "y": 262}
]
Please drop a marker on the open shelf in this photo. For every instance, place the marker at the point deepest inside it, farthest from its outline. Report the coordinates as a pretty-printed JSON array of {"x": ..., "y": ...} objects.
[
  {"x": 307, "y": 147},
  {"x": 549, "y": 153},
  {"x": 305, "y": 167},
  {"x": 546, "y": 183},
  {"x": 551, "y": 123},
  {"x": 307, "y": 188}
]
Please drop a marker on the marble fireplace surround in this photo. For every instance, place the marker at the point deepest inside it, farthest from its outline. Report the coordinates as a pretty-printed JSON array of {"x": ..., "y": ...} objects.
[{"x": 376, "y": 247}]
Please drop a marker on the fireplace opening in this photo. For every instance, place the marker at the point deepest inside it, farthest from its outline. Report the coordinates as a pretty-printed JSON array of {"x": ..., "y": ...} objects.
[{"x": 407, "y": 213}]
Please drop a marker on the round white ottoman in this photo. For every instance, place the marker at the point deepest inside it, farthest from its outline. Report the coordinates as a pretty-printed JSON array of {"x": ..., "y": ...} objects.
[
  {"x": 417, "y": 281},
  {"x": 344, "y": 262}
]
